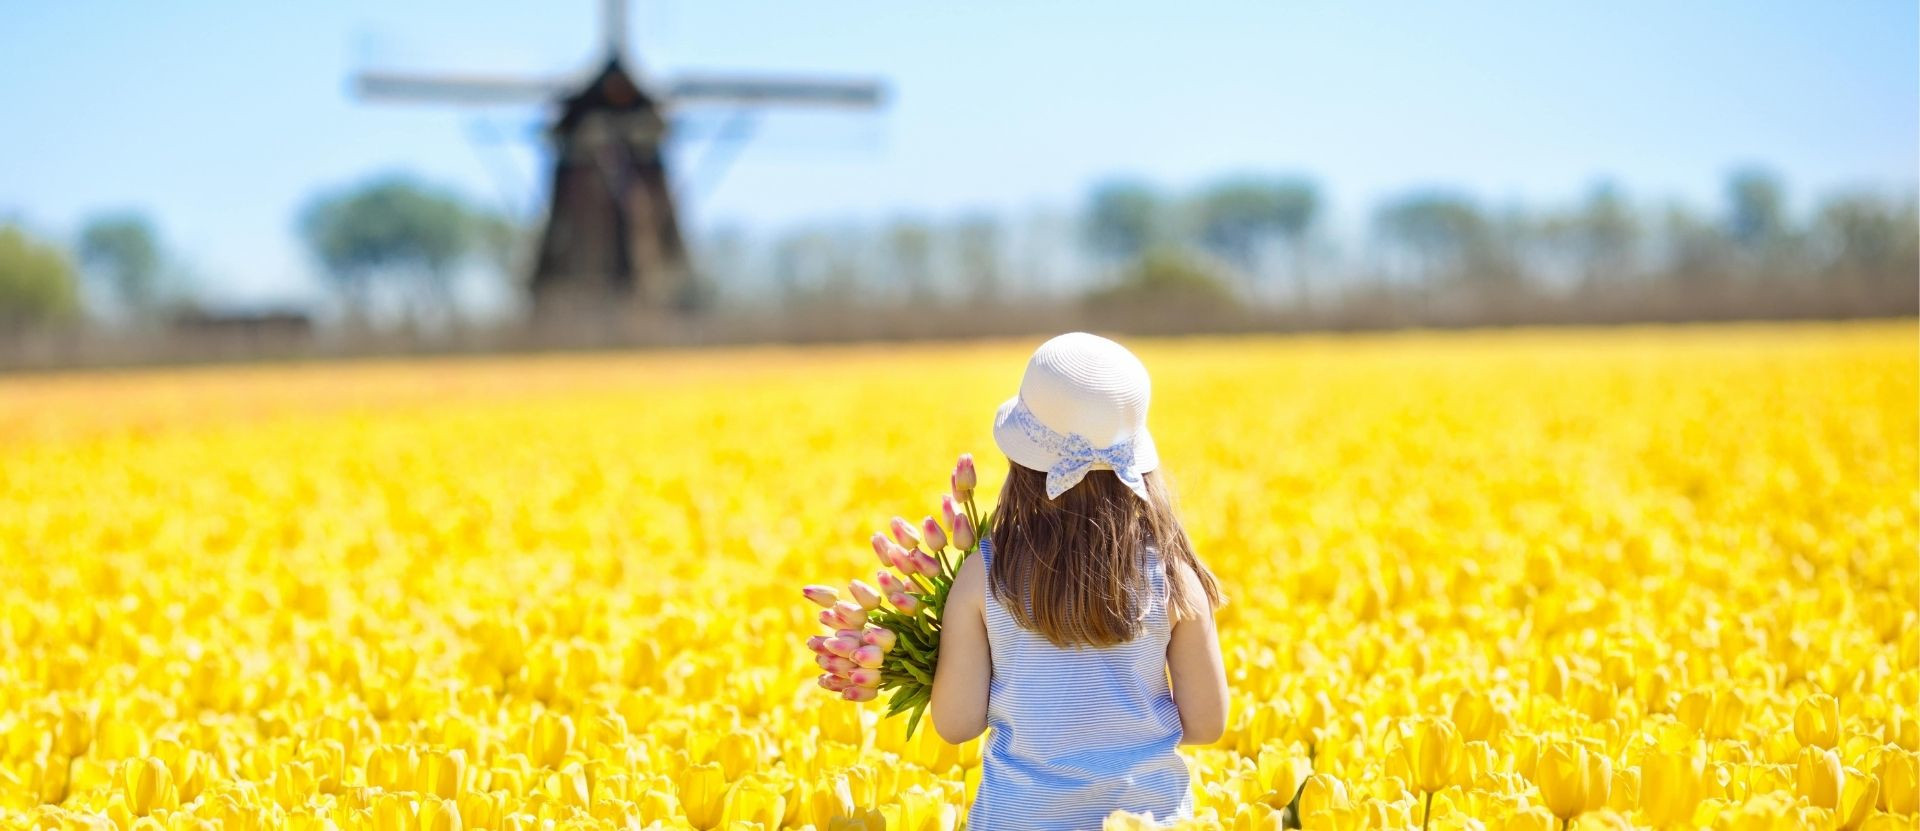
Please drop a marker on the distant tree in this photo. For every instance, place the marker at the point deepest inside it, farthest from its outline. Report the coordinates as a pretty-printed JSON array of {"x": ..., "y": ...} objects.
[
  {"x": 1698, "y": 253},
  {"x": 392, "y": 228},
  {"x": 1438, "y": 231},
  {"x": 1237, "y": 215},
  {"x": 1122, "y": 219},
  {"x": 1756, "y": 208},
  {"x": 977, "y": 251},
  {"x": 1868, "y": 238},
  {"x": 1167, "y": 278},
  {"x": 37, "y": 281},
  {"x": 909, "y": 247},
  {"x": 123, "y": 249},
  {"x": 1606, "y": 234}
]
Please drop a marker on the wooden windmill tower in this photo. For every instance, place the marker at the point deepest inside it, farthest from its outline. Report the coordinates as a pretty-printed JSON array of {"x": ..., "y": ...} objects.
[{"x": 611, "y": 244}]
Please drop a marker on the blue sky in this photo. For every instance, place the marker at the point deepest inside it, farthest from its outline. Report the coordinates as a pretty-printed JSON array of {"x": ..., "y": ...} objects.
[{"x": 222, "y": 118}]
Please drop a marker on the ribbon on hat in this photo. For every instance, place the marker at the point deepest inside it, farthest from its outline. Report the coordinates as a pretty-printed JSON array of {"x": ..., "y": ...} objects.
[{"x": 1076, "y": 455}]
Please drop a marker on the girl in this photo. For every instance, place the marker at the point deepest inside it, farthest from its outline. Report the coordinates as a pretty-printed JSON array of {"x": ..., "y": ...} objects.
[{"x": 1083, "y": 633}]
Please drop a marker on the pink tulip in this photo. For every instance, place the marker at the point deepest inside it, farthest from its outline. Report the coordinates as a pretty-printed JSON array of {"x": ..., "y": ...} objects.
[
  {"x": 835, "y": 664},
  {"x": 863, "y": 677},
  {"x": 963, "y": 537},
  {"x": 936, "y": 538},
  {"x": 849, "y": 633},
  {"x": 889, "y": 584},
  {"x": 868, "y": 656},
  {"x": 948, "y": 513},
  {"x": 859, "y": 693},
  {"x": 904, "y": 534},
  {"x": 964, "y": 477},
  {"x": 818, "y": 643},
  {"x": 867, "y": 596},
  {"x": 882, "y": 548},
  {"x": 842, "y": 647},
  {"x": 851, "y": 615},
  {"x": 906, "y": 603},
  {"x": 835, "y": 683},
  {"x": 924, "y": 563},
  {"x": 883, "y": 638},
  {"x": 823, "y": 595}
]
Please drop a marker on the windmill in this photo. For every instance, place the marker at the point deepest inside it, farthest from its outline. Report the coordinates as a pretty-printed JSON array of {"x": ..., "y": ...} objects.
[{"x": 612, "y": 241}]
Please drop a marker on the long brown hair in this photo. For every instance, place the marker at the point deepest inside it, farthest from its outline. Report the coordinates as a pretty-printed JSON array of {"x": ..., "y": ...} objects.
[{"x": 1074, "y": 568}]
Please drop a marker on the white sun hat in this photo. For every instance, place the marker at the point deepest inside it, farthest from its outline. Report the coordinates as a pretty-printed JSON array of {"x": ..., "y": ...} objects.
[{"x": 1082, "y": 406}]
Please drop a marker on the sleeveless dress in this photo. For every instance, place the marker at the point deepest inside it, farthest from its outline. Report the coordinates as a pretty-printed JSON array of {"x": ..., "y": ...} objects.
[{"x": 1076, "y": 734}]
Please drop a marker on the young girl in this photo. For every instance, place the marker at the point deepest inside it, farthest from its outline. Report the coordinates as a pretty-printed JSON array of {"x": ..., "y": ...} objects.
[{"x": 1083, "y": 632}]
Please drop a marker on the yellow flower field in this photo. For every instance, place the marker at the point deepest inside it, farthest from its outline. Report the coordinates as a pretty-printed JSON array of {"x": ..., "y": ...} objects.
[{"x": 1639, "y": 577}]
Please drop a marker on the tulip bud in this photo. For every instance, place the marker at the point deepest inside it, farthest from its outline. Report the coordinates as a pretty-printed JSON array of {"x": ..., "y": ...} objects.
[
  {"x": 889, "y": 584},
  {"x": 904, "y": 534},
  {"x": 850, "y": 634},
  {"x": 817, "y": 643},
  {"x": 851, "y": 616},
  {"x": 865, "y": 595},
  {"x": 823, "y": 595},
  {"x": 964, "y": 477},
  {"x": 924, "y": 564},
  {"x": 936, "y": 538},
  {"x": 859, "y": 693},
  {"x": 883, "y": 638},
  {"x": 835, "y": 664},
  {"x": 963, "y": 535},
  {"x": 842, "y": 647},
  {"x": 864, "y": 677},
  {"x": 948, "y": 513},
  {"x": 868, "y": 656},
  {"x": 834, "y": 683},
  {"x": 906, "y": 603}
]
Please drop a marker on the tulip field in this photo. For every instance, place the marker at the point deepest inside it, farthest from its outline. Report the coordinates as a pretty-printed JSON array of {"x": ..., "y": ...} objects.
[{"x": 1638, "y": 577}]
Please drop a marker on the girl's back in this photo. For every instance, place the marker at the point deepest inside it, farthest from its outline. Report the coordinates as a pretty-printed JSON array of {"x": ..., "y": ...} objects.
[
  {"x": 1081, "y": 636},
  {"x": 1079, "y": 731}
]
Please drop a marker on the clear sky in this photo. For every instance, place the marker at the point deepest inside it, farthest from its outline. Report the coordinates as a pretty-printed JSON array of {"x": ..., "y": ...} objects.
[{"x": 222, "y": 118}]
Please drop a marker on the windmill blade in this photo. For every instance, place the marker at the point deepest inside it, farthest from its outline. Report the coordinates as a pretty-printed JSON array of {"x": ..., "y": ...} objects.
[
  {"x": 737, "y": 90},
  {"x": 456, "y": 89}
]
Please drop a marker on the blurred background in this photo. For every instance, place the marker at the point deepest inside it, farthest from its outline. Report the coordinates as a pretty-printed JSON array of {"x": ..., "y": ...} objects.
[{"x": 225, "y": 180}]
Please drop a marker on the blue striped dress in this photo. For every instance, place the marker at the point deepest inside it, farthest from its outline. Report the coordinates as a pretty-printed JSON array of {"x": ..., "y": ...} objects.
[{"x": 1078, "y": 733}]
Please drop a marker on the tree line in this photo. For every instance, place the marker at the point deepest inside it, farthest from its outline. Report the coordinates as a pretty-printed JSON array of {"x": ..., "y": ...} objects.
[{"x": 1243, "y": 242}]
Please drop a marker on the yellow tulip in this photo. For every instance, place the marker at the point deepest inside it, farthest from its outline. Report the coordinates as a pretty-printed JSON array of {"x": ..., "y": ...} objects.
[
  {"x": 1817, "y": 777},
  {"x": 1899, "y": 777},
  {"x": 147, "y": 785},
  {"x": 1433, "y": 753},
  {"x": 1672, "y": 783},
  {"x": 550, "y": 739},
  {"x": 1532, "y": 819},
  {"x": 1859, "y": 795},
  {"x": 1562, "y": 774},
  {"x": 703, "y": 790},
  {"x": 751, "y": 801},
  {"x": 1816, "y": 721},
  {"x": 438, "y": 814}
]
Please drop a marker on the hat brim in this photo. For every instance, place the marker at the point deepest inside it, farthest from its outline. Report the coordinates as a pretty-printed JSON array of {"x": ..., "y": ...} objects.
[{"x": 1022, "y": 450}]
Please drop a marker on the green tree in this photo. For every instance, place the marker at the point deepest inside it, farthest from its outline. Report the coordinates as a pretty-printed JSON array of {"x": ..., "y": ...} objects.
[
  {"x": 1236, "y": 216},
  {"x": 1168, "y": 278},
  {"x": 124, "y": 250},
  {"x": 391, "y": 228},
  {"x": 1756, "y": 207},
  {"x": 37, "y": 281},
  {"x": 1123, "y": 218},
  {"x": 977, "y": 249}
]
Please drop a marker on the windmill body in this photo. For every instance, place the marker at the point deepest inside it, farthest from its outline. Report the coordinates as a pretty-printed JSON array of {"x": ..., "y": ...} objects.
[{"x": 611, "y": 245}]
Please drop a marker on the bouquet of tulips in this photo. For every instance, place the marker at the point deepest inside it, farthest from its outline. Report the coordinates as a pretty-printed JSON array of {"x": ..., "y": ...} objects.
[{"x": 886, "y": 635}]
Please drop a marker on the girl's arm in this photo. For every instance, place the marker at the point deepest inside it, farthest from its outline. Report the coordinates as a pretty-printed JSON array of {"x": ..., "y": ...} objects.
[
  {"x": 960, "y": 679},
  {"x": 1195, "y": 669}
]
